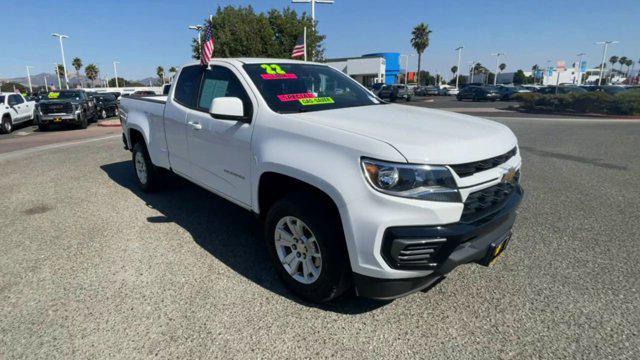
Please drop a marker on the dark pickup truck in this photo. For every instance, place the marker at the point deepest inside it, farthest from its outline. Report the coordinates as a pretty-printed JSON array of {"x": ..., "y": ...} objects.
[{"x": 67, "y": 107}]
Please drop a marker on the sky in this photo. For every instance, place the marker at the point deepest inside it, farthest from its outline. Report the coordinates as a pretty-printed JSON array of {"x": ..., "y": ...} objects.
[{"x": 142, "y": 34}]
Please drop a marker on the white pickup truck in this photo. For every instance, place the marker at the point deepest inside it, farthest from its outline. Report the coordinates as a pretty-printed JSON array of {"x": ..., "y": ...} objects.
[
  {"x": 14, "y": 109},
  {"x": 353, "y": 192}
]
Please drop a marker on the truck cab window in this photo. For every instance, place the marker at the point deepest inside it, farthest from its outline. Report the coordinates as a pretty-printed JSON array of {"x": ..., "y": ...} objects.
[
  {"x": 221, "y": 82},
  {"x": 187, "y": 86}
]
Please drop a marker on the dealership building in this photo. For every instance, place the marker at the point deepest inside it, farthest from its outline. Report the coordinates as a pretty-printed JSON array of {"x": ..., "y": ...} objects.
[{"x": 370, "y": 68}]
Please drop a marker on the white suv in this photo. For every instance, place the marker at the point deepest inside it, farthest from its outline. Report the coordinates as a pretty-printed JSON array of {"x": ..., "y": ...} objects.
[
  {"x": 14, "y": 109},
  {"x": 353, "y": 191}
]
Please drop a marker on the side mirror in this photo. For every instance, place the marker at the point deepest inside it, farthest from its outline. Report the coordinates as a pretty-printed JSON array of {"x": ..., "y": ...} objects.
[{"x": 227, "y": 108}]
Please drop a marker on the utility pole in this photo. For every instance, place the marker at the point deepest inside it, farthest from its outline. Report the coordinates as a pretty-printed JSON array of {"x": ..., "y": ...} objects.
[
  {"x": 459, "y": 50},
  {"x": 29, "y": 78},
  {"x": 46, "y": 86},
  {"x": 115, "y": 71},
  {"x": 497, "y": 55},
  {"x": 580, "y": 56},
  {"x": 313, "y": 6},
  {"x": 64, "y": 63},
  {"x": 58, "y": 74},
  {"x": 198, "y": 28},
  {"x": 604, "y": 56}
]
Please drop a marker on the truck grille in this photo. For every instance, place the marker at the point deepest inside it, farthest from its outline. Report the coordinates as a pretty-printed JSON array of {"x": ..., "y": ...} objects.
[
  {"x": 487, "y": 201},
  {"x": 468, "y": 169},
  {"x": 56, "y": 108}
]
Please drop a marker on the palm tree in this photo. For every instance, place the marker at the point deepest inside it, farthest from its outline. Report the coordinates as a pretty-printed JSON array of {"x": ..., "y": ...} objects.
[
  {"x": 160, "y": 73},
  {"x": 630, "y": 64},
  {"x": 622, "y": 61},
  {"x": 454, "y": 70},
  {"x": 502, "y": 67},
  {"x": 420, "y": 42},
  {"x": 613, "y": 60},
  {"x": 534, "y": 70},
  {"x": 173, "y": 71},
  {"x": 91, "y": 72},
  {"x": 77, "y": 64}
]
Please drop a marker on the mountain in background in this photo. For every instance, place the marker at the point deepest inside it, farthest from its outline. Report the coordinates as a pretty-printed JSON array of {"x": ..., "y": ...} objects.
[{"x": 52, "y": 79}]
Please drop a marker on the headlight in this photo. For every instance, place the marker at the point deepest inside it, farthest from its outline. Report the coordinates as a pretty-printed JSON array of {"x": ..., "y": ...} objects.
[{"x": 424, "y": 182}]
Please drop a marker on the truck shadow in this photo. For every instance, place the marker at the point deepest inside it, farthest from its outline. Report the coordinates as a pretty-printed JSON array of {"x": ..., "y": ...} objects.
[{"x": 228, "y": 232}]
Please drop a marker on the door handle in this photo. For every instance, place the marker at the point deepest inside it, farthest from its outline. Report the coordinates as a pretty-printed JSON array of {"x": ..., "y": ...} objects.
[{"x": 195, "y": 125}]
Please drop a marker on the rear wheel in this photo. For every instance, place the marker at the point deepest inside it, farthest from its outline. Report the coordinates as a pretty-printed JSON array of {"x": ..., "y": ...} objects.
[
  {"x": 148, "y": 176},
  {"x": 7, "y": 125},
  {"x": 306, "y": 244}
]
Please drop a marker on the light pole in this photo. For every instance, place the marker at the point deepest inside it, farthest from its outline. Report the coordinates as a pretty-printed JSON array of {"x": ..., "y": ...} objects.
[
  {"x": 198, "y": 28},
  {"x": 64, "y": 63},
  {"x": 580, "y": 56},
  {"x": 29, "y": 78},
  {"x": 497, "y": 55},
  {"x": 46, "y": 86},
  {"x": 313, "y": 6},
  {"x": 58, "y": 74},
  {"x": 459, "y": 50},
  {"x": 604, "y": 56},
  {"x": 115, "y": 71}
]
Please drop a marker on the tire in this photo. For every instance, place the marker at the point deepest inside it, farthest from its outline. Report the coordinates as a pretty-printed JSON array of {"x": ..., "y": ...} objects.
[
  {"x": 83, "y": 121},
  {"x": 6, "y": 127},
  {"x": 408, "y": 98},
  {"x": 103, "y": 114},
  {"x": 142, "y": 164},
  {"x": 328, "y": 273}
]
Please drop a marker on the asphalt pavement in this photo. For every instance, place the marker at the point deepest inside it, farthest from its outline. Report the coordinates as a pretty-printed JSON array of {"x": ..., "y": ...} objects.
[{"x": 93, "y": 268}]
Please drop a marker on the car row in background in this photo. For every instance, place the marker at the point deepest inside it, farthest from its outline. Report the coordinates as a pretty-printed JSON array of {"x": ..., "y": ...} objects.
[{"x": 394, "y": 92}]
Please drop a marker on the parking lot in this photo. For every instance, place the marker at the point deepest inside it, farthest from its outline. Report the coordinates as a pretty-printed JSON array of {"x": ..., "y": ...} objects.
[{"x": 92, "y": 267}]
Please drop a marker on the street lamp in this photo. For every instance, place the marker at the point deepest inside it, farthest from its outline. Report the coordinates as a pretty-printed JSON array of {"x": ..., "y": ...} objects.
[
  {"x": 115, "y": 71},
  {"x": 604, "y": 56},
  {"x": 197, "y": 28},
  {"x": 29, "y": 78},
  {"x": 64, "y": 63},
  {"x": 313, "y": 6},
  {"x": 579, "y": 80},
  {"x": 497, "y": 55},
  {"x": 406, "y": 66},
  {"x": 459, "y": 50}
]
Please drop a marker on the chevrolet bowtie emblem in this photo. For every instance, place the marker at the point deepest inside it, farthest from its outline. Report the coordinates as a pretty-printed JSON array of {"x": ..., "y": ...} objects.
[{"x": 509, "y": 176}]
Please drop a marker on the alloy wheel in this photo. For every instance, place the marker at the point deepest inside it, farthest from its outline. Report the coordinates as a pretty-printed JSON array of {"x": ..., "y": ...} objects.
[
  {"x": 298, "y": 250},
  {"x": 141, "y": 167}
]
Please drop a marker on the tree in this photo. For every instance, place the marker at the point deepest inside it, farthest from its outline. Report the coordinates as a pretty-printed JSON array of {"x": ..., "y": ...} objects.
[
  {"x": 122, "y": 82},
  {"x": 160, "y": 73},
  {"x": 173, "y": 71},
  {"x": 91, "y": 71},
  {"x": 239, "y": 31},
  {"x": 77, "y": 64},
  {"x": 420, "y": 42},
  {"x": 534, "y": 70},
  {"x": 622, "y": 61},
  {"x": 502, "y": 67},
  {"x": 454, "y": 70},
  {"x": 519, "y": 77}
]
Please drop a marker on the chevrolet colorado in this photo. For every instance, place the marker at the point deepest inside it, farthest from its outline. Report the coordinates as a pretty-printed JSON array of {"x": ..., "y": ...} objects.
[{"x": 353, "y": 192}]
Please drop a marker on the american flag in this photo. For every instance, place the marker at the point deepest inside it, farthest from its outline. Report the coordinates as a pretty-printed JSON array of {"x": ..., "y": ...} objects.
[
  {"x": 207, "y": 46},
  {"x": 298, "y": 49}
]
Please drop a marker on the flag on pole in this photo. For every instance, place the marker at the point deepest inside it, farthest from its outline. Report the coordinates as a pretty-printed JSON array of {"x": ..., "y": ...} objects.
[
  {"x": 299, "y": 48},
  {"x": 207, "y": 45}
]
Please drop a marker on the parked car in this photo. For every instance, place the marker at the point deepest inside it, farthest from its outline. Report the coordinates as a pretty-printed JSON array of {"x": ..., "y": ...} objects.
[
  {"x": 394, "y": 92},
  {"x": 143, "y": 93},
  {"x": 609, "y": 89},
  {"x": 563, "y": 89},
  {"x": 351, "y": 191},
  {"x": 451, "y": 91},
  {"x": 479, "y": 93},
  {"x": 107, "y": 105},
  {"x": 67, "y": 107},
  {"x": 507, "y": 92},
  {"x": 14, "y": 110}
]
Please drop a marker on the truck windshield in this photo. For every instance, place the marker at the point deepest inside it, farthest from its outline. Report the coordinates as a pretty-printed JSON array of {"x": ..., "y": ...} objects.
[
  {"x": 73, "y": 95},
  {"x": 290, "y": 88}
]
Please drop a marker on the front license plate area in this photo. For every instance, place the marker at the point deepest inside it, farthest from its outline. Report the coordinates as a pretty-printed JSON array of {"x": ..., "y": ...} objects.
[
  {"x": 495, "y": 250},
  {"x": 57, "y": 120}
]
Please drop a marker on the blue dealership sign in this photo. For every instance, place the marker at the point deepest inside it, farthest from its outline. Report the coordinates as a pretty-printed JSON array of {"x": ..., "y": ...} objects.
[{"x": 583, "y": 66}]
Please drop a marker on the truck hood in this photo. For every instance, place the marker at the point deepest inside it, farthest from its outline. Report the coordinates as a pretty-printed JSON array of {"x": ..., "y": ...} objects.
[{"x": 422, "y": 135}]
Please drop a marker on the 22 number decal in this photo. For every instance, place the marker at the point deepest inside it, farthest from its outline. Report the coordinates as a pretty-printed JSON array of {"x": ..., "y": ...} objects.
[{"x": 273, "y": 69}]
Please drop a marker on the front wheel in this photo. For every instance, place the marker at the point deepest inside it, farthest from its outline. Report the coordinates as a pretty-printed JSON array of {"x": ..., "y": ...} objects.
[
  {"x": 306, "y": 243},
  {"x": 103, "y": 114},
  {"x": 6, "y": 127},
  {"x": 83, "y": 121}
]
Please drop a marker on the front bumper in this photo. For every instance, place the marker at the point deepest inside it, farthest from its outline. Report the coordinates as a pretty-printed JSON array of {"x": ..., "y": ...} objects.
[
  {"x": 58, "y": 119},
  {"x": 451, "y": 245}
]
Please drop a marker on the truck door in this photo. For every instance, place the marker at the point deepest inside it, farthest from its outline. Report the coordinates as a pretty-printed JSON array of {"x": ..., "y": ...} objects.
[
  {"x": 16, "y": 106},
  {"x": 185, "y": 98},
  {"x": 219, "y": 149}
]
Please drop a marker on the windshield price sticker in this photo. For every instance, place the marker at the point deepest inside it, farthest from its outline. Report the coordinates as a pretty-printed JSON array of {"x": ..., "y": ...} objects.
[
  {"x": 294, "y": 97},
  {"x": 53, "y": 95},
  {"x": 316, "y": 101},
  {"x": 275, "y": 72}
]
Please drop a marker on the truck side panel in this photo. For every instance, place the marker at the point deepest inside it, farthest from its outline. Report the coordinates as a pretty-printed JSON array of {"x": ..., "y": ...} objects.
[{"x": 147, "y": 117}]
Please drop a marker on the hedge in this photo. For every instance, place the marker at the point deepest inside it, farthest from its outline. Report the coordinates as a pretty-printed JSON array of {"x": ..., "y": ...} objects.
[{"x": 624, "y": 103}]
